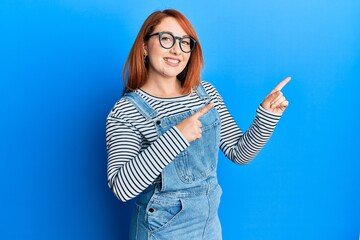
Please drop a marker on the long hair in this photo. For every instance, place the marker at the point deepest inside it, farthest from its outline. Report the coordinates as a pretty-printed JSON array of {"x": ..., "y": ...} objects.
[{"x": 135, "y": 69}]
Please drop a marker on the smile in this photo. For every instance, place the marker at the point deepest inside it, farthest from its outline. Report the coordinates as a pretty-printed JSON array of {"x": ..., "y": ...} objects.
[{"x": 172, "y": 60}]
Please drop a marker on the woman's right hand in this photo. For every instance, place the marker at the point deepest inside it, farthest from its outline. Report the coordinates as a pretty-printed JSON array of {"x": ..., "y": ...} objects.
[{"x": 190, "y": 128}]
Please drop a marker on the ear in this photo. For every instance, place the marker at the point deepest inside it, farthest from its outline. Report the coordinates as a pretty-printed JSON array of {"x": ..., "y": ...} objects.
[{"x": 145, "y": 49}]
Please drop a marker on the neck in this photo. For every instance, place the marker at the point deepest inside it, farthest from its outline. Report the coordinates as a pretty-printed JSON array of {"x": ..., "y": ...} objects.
[{"x": 164, "y": 88}]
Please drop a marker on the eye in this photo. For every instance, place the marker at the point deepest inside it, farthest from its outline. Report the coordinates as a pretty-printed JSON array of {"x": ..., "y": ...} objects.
[
  {"x": 165, "y": 38},
  {"x": 185, "y": 42}
]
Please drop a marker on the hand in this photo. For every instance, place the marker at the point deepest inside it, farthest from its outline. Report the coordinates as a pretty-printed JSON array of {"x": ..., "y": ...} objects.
[
  {"x": 190, "y": 128},
  {"x": 275, "y": 102}
]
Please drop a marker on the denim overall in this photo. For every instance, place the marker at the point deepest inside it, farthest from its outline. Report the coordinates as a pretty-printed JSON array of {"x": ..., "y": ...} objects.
[{"x": 183, "y": 204}]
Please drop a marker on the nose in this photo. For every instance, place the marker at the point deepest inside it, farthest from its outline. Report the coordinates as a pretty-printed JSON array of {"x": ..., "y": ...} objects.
[{"x": 176, "y": 48}]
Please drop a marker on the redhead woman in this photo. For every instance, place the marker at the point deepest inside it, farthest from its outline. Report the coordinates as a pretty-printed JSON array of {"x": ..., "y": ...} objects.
[{"x": 164, "y": 134}]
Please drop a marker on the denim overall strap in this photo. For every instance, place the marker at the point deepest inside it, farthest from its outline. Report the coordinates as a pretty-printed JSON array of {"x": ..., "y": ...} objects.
[
  {"x": 144, "y": 108},
  {"x": 201, "y": 92}
]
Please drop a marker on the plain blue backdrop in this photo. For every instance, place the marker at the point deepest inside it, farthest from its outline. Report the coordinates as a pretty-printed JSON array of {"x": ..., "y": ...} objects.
[{"x": 60, "y": 72}]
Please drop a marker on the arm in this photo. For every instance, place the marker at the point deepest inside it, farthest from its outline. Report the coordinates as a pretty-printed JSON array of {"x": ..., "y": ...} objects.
[
  {"x": 131, "y": 170},
  {"x": 241, "y": 147}
]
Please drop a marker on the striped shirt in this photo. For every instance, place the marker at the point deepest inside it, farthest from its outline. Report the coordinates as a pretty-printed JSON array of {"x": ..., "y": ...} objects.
[{"x": 137, "y": 155}]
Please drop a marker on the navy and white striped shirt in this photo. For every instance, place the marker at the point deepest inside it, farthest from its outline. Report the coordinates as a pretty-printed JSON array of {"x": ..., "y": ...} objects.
[{"x": 137, "y": 155}]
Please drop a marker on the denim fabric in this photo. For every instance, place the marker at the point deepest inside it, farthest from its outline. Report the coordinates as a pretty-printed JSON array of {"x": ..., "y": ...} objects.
[{"x": 184, "y": 205}]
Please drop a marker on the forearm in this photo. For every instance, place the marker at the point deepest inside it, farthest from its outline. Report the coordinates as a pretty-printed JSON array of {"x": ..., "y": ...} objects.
[
  {"x": 132, "y": 169},
  {"x": 243, "y": 147}
]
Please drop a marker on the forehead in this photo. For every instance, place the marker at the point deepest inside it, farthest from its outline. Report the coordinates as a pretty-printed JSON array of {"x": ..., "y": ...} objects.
[{"x": 170, "y": 24}]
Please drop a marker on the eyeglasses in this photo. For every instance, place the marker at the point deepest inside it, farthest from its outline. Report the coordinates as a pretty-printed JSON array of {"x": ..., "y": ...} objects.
[{"x": 167, "y": 40}]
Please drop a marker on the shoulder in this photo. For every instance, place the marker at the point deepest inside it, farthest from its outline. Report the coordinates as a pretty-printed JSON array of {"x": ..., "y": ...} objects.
[
  {"x": 214, "y": 94},
  {"x": 211, "y": 89},
  {"x": 207, "y": 85},
  {"x": 122, "y": 109}
]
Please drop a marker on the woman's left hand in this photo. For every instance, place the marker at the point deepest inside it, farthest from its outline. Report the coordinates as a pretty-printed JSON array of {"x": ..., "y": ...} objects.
[{"x": 276, "y": 102}]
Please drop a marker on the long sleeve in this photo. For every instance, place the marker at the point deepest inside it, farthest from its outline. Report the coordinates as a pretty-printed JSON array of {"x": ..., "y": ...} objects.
[
  {"x": 242, "y": 147},
  {"x": 131, "y": 169}
]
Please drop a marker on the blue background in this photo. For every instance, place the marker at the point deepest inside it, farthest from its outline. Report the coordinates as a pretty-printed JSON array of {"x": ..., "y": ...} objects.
[{"x": 60, "y": 72}]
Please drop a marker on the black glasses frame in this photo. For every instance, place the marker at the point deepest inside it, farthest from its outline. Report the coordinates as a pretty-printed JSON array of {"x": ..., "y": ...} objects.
[{"x": 174, "y": 38}]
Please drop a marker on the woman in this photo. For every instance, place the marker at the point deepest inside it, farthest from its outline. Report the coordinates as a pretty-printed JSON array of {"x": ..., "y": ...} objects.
[{"x": 163, "y": 135}]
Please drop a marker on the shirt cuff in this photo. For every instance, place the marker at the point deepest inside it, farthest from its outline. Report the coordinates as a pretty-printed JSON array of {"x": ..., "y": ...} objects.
[
  {"x": 267, "y": 116},
  {"x": 181, "y": 137}
]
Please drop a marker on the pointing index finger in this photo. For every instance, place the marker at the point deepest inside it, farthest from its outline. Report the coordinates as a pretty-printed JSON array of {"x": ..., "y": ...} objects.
[
  {"x": 203, "y": 111},
  {"x": 281, "y": 84}
]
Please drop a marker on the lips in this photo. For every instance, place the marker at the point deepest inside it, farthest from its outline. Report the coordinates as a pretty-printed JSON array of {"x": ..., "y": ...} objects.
[{"x": 172, "y": 61}]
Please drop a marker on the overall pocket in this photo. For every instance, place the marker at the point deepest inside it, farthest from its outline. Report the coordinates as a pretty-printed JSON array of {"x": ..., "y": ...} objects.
[{"x": 162, "y": 212}]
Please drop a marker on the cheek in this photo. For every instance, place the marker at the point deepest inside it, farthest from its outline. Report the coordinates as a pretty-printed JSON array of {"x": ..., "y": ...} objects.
[
  {"x": 186, "y": 60},
  {"x": 155, "y": 60}
]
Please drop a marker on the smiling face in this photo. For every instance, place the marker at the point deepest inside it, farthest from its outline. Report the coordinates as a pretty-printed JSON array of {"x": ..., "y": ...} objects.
[{"x": 166, "y": 63}]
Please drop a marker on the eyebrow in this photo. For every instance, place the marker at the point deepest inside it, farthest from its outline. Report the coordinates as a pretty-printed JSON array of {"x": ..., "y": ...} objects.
[{"x": 186, "y": 35}]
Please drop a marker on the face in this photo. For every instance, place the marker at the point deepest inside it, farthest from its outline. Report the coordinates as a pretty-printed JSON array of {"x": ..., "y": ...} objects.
[{"x": 166, "y": 63}]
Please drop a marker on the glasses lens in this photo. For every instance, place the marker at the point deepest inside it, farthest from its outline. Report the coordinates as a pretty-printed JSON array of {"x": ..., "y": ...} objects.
[
  {"x": 187, "y": 44},
  {"x": 166, "y": 40}
]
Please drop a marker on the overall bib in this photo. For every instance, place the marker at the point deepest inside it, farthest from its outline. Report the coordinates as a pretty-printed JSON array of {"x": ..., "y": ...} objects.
[{"x": 183, "y": 204}]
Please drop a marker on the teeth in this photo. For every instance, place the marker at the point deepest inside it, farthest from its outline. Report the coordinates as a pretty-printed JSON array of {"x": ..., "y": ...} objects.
[{"x": 172, "y": 60}]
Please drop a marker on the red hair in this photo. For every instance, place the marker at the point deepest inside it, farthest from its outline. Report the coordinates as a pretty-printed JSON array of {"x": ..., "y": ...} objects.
[{"x": 135, "y": 69}]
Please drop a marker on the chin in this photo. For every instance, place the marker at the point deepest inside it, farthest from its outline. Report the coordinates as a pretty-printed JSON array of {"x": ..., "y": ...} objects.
[{"x": 171, "y": 74}]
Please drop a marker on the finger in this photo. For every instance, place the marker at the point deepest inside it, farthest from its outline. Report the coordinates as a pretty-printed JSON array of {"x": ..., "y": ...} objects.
[
  {"x": 278, "y": 99},
  {"x": 203, "y": 111},
  {"x": 198, "y": 123},
  {"x": 281, "y": 84},
  {"x": 198, "y": 136},
  {"x": 275, "y": 96},
  {"x": 283, "y": 106},
  {"x": 278, "y": 102}
]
